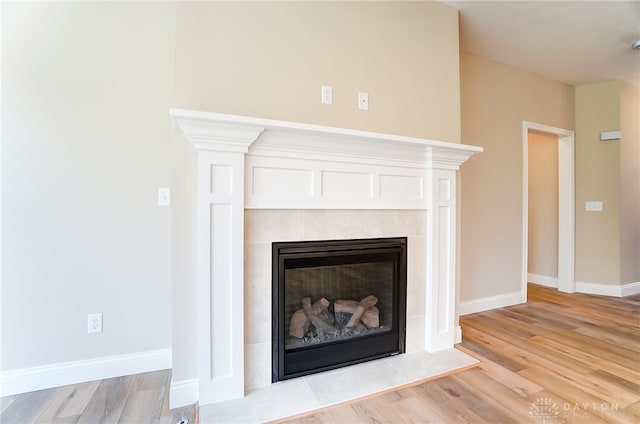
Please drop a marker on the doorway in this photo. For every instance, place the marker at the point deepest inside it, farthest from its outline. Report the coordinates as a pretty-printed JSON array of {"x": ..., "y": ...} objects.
[
  {"x": 566, "y": 205},
  {"x": 542, "y": 264}
]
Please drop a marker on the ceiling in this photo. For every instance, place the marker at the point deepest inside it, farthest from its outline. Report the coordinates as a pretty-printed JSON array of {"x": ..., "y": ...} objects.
[{"x": 576, "y": 42}]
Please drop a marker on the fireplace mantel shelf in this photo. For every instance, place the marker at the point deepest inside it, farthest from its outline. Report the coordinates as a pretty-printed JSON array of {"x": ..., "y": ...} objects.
[
  {"x": 254, "y": 163},
  {"x": 219, "y": 131}
]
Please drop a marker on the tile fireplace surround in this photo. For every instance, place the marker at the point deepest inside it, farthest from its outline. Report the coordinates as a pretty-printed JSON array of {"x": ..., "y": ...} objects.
[{"x": 261, "y": 181}]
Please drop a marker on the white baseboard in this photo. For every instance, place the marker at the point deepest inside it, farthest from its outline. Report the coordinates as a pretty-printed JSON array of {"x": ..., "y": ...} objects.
[
  {"x": 509, "y": 299},
  {"x": 487, "y": 303},
  {"x": 458, "y": 335},
  {"x": 608, "y": 289},
  {"x": 61, "y": 374},
  {"x": 183, "y": 393},
  {"x": 543, "y": 280},
  {"x": 630, "y": 289}
]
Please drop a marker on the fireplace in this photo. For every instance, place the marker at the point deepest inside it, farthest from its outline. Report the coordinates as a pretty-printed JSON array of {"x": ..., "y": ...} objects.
[
  {"x": 337, "y": 303},
  {"x": 309, "y": 178}
]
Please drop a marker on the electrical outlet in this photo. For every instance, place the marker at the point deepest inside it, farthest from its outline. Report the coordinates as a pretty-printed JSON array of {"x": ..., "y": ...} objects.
[
  {"x": 94, "y": 323},
  {"x": 363, "y": 100}
]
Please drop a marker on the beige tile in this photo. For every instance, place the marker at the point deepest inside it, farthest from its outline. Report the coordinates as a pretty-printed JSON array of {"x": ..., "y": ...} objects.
[
  {"x": 257, "y": 365},
  {"x": 343, "y": 224},
  {"x": 420, "y": 365},
  {"x": 406, "y": 223},
  {"x": 258, "y": 318},
  {"x": 415, "y": 334},
  {"x": 257, "y": 293},
  {"x": 270, "y": 403},
  {"x": 335, "y": 386},
  {"x": 416, "y": 275},
  {"x": 257, "y": 261},
  {"x": 269, "y": 225}
]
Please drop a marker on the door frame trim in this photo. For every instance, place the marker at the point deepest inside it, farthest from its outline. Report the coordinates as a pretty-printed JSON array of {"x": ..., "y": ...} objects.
[{"x": 566, "y": 205}]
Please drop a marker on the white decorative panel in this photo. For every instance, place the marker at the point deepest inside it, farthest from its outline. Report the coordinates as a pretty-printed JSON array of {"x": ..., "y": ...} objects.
[
  {"x": 441, "y": 218},
  {"x": 220, "y": 217},
  {"x": 281, "y": 181},
  {"x": 221, "y": 286},
  {"x": 401, "y": 187},
  {"x": 221, "y": 179},
  {"x": 444, "y": 269},
  {"x": 444, "y": 189},
  {"x": 346, "y": 184},
  {"x": 302, "y": 183}
]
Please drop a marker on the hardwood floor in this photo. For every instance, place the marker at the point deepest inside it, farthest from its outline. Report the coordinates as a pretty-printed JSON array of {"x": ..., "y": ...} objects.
[
  {"x": 141, "y": 398},
  {"x": 560, "y": 358}
]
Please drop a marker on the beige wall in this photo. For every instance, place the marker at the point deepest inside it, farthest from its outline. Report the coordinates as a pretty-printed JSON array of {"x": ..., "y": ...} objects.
[
  {"x": 269, "y": 59},
  {"x": 86, "y": 143},
  {"x": 543, "y": 204},
  {"x": 629, "y": 183},
  {"x": 495, "y": 99},
  {"x": 597, "y": 179}
]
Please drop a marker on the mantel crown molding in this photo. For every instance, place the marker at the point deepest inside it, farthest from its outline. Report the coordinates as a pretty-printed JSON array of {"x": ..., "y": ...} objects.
[
  {"x": 224, "y": 132},
  {"x": 215, "y": 134},
  {"x": 446, "y": 157}
]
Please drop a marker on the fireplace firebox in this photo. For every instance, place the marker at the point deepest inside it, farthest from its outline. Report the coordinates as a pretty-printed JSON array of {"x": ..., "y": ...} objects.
[{"x": 337, "y": 303}]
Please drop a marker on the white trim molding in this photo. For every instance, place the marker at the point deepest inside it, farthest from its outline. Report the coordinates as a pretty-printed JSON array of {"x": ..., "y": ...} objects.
[
  {"x": 255, "y": 163},
  {"x": 61, "y": 374},
  {"x": 510, "y": 299},
  {"x": 492, "y": 302},
  {"x": 630, "y": 289},
  {"x": 543, "y": 280},
  {"x": 458, "y": 334},
  {"x": 183, "y": 393},
  {"x": 608, "y": 289},
  {"x": 566, "y": 205}
]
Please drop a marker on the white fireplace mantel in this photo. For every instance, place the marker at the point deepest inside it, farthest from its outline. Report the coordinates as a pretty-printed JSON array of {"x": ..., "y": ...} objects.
[{"x": 255, "y": 163}]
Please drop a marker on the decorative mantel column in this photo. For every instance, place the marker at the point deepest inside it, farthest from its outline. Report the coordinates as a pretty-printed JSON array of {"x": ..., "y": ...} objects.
[
  {"x": 220, "y": 251},
  {"x": 246, "y": 162},
  {"x": 441, "y": 167}
]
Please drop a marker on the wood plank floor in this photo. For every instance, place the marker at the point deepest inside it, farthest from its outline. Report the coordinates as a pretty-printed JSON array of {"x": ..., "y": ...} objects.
[
  {"x": 560, "y": 358},
  {"x": 141, "y": 398}
]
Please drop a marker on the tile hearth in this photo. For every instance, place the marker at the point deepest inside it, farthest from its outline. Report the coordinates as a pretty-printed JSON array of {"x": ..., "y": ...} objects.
[{"x": 306, "y": 394}]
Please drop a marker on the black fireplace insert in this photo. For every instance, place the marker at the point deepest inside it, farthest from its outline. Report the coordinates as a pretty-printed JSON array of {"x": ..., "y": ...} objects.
[{"x": 337, "y": 303}]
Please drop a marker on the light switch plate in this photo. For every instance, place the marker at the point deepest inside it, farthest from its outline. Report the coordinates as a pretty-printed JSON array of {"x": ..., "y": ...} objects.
[
  {"x": 610, "y": 135},
  {"x": 326, "y": 93},
  {"x": 593, "y": 206},
  {"x": 164, "y": 197}
]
